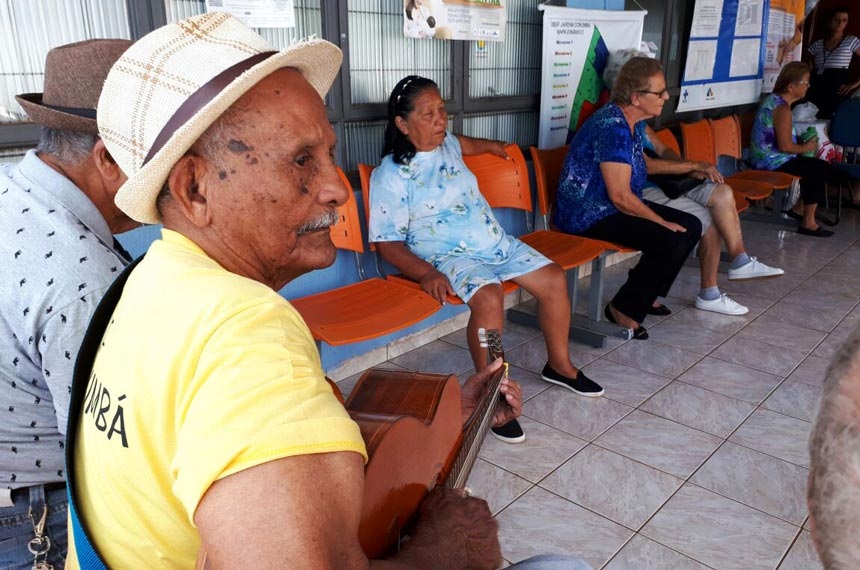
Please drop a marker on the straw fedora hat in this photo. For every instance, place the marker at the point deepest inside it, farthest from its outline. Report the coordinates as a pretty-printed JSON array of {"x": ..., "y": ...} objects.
[
  {"x": 173, "y": 83},
  {"x": 74, "y": 74}
]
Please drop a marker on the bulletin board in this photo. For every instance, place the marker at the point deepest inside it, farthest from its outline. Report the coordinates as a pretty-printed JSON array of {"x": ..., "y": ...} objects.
[{"x": 725, "y": 54}]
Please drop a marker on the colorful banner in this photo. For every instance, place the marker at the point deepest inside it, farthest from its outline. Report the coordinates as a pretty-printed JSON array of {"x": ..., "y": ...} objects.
[
  {"x": 725, "y": 54},
  {"x": 576, "y": 46},
  {"x": 784, "y": 38},
  {"x": 455, "y": 19}
]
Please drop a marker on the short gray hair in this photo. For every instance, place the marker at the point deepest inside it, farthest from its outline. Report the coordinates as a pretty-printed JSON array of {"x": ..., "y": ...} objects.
[
  {"x": 616, "y": 61},
  {"x": 69, "y": 147},
  {"x": 834, "y": 449},
  {"x": 211, "y": 146}
]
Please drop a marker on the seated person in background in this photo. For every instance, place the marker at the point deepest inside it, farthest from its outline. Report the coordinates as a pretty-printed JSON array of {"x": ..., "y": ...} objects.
[
  {"x": 600, "y": 193},
  {"x": 774, "y": 146},
  {"x": 834, "y": 467},
  {"x": 711, "y": 201},
  {"x": 429, "y": 219},
  {"x": 210, "y": 420}
]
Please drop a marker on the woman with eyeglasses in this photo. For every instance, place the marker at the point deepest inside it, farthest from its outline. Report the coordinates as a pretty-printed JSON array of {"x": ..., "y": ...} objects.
[
  {"x": 831, "y": 57},
  {"x": 600, "y": 193},
  {"x": 774, "y": 146}
]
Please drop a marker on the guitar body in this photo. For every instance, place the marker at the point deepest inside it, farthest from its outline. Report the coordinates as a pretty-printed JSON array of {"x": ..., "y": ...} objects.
[{"x": 412, "y": 425}]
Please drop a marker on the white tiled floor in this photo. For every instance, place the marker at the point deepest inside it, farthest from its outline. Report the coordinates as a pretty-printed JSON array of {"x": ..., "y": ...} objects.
[{"x": 696, "y": 457}]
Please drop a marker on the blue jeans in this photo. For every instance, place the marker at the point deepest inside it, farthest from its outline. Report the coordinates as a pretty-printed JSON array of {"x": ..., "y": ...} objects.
[
  {"x": 16, "y": 528},
  {"x": 551, "y": 562}
]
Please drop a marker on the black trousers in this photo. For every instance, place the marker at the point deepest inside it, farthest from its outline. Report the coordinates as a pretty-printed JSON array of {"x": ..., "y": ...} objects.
[
  {"x": 814, "y": 174},
  {"x": 823, "y": 91},
  {"x": 663, "y": 254}
]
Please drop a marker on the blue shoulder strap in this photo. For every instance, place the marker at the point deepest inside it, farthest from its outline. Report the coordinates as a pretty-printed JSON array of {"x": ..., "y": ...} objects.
[{"x": 88, "y": 557}]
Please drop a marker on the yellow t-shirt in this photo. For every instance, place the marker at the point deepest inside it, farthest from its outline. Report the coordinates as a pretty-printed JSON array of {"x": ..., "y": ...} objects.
[{"x": 201, "y": 373}]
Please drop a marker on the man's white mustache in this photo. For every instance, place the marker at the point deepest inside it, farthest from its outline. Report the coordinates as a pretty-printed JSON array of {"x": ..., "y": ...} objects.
[{"x": 325, "y": 221}]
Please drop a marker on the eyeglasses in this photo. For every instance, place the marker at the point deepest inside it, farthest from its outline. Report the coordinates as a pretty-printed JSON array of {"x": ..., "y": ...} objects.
[
  {"x": 803, "y": 82},
  {"x": 657, "y": 93}
]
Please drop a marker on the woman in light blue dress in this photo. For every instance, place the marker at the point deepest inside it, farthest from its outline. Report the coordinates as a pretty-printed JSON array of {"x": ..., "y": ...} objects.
[{"x": 429, "y": 219}]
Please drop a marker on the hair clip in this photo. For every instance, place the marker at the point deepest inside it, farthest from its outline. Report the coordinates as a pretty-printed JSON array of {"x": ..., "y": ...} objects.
[{"x": 403, "y": 89}]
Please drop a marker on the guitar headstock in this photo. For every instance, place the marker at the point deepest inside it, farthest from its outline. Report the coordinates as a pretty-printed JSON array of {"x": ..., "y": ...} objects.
[{"x": 492, "y": 340}]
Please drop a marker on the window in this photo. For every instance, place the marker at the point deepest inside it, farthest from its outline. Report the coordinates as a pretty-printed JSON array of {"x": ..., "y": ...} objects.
[
  {"x": 491, "y": 88},
  {"x": 380, "y": 55},
  {"x": 497, "y": 70},
  {"x": 518, "y": 127},
  {"x": 30, "y": 28}
]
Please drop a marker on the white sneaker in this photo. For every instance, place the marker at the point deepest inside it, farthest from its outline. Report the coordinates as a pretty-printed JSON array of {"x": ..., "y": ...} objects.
[
  {"x": 724, "y": 305},
  {"x": 754, "y": 269}
]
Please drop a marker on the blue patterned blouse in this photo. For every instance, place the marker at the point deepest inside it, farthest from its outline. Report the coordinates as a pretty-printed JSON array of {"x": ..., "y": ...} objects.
[
  {"x": 582, "y": 198},
  {"x": 764, "y": 152}
]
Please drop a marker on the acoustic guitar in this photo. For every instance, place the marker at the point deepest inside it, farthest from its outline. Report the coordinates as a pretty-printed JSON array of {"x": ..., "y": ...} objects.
[
  {"x": 416, "y": 439},
  {"x": 413, "y": 428}
]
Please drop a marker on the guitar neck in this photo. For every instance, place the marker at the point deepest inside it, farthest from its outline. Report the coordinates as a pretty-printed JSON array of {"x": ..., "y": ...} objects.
[{"x": 476, "y": 427}]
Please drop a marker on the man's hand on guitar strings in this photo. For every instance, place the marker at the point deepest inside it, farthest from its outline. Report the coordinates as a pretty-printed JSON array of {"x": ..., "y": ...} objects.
[
  {"x": 475, "y": 387},
  {"x": 512, "y": 406}
]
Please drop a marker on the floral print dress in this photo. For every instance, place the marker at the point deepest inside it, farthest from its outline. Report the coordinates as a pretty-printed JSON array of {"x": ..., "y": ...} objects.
[{"x": 433, "y": 205}]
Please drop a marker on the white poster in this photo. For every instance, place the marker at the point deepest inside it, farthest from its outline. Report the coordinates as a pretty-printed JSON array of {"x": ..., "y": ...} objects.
[
  {"x": 576, "y": 46},
  {"x": 258, "y": 13},
  {"x": 482, "y": 20}
]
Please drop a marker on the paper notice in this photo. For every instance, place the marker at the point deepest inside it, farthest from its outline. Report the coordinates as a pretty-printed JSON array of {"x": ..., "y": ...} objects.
[
  {"x": 706, "y": 19},
  {"x": 700, "y": 60},
  {"x": 258, "y": 13},
  {"x": 749, "y": 18},
  {"x": 745, "y": 57}
]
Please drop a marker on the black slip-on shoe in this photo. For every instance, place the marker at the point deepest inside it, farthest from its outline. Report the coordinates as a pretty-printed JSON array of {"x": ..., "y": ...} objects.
[
  {"x": 639, "y": 333},
  {"x": 511, "y": 432},
  {"x": 661, "y": 311},
  {"x": 818, "y": 232},
  {"x": 582, "y": 384}
]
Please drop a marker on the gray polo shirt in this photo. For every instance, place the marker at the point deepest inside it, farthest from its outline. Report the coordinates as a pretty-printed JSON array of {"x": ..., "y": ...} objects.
[{"x": 56, "y": 262}]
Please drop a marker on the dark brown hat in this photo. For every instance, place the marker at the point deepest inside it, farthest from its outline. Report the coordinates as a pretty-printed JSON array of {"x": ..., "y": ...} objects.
[{"x": 74, "y": 75}]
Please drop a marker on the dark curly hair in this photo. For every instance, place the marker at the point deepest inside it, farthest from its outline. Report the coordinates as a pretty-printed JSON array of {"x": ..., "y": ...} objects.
[{"x": 401, "y": 102}]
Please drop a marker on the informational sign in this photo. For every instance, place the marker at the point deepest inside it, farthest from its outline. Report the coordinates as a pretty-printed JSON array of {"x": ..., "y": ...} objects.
[
  {"x": 576, "y": 47},
  {"x": 258, "y": 13},
  {"x": 482, "y": 20},
  {"x": 724, "y": 54},
  {"x": 784, "y": 38}
]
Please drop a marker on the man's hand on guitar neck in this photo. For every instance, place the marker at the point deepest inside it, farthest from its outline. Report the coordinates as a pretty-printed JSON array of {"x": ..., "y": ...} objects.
[
  {"x": 455, "y": 531},
  {"x": 476, "y": 386}
]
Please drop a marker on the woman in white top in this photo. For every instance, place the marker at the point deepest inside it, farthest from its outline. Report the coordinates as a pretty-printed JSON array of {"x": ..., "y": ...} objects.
[{"x": 830, "y": 57}]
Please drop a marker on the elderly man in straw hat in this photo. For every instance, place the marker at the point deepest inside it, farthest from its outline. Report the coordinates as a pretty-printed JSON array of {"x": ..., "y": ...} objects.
[
  {"x": 201, "y": 417},
  {"x": 57, "y": 257}
]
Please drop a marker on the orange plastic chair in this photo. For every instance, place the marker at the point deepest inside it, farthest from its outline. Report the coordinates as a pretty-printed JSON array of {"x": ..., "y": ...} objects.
[
  {"x": 548, "y": 164},
  {"x": 727, "y": 140},
  {"x": 505, "y": 184},
  {"x": 745, "y": 124},
  {"x": 364, "y": 172},
  {"x": 367, "y": 309},
  {"x": 700, "y": 145},
  {"x": 668, "y": 139}
]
